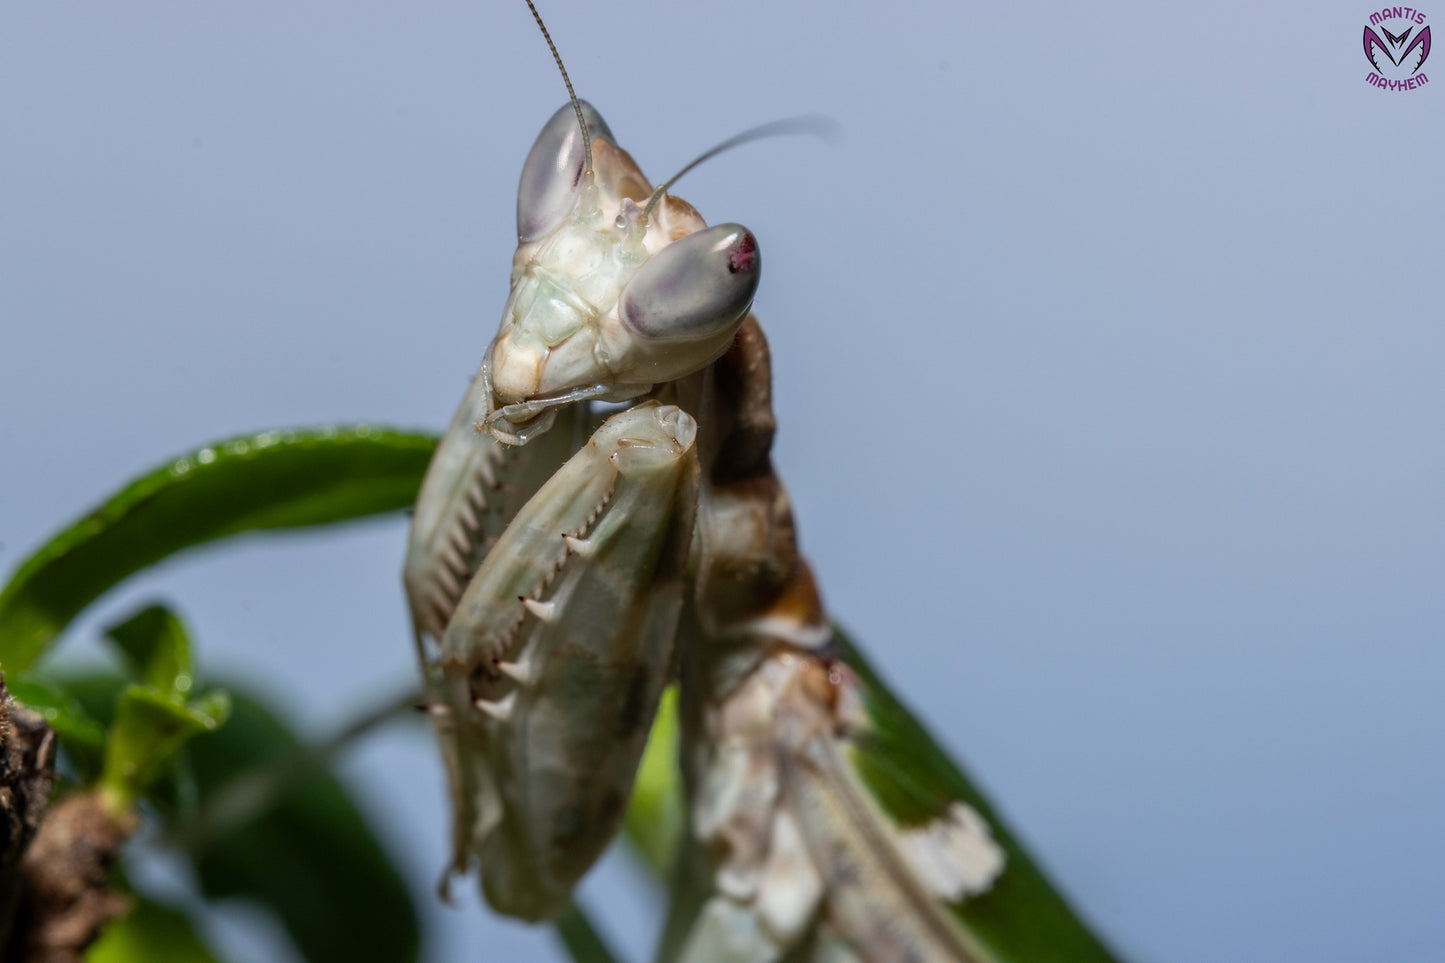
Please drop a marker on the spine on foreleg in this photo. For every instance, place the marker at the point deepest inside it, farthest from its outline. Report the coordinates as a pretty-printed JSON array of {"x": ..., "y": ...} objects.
[
  {"x": 472, "y": 489},
  {"x": 561, "y": 646}
]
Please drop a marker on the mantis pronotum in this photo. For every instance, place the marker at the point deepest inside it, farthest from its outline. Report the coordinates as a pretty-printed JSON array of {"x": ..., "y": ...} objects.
[{"x": 557, "y": 583}]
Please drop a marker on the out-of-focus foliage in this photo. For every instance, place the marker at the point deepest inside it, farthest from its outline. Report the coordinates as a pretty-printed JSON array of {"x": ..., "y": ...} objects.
[
  {"x": 230, "y": 795},
  {"x": 154, "y": 716},
  {"x": 150, "y": 933},
  {"x": 298, "y": 846},
  {"x": 274, "y": 479}
]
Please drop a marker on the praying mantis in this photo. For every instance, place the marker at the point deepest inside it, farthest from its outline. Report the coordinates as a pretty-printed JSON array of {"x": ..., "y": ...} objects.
[
  {"x": 567, "y": 560},
  {"x": 988, "y": 542}
]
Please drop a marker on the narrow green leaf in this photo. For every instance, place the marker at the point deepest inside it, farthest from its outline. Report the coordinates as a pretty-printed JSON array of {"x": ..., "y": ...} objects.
[
  {"x": 584, "y": 944},
  {"x": 1022, "y": 918},
  {"x": 150, "y": 933},
  {"x": 96, "y": 696},
  {"x": 214, "y": 706},
  {"x": 76, "y": 727},
  {"x": 276, "y": 479},
  {"x": 158, "y": 647},
  {"x": 153, "y": 718},
  {"x": 149, "y": 727}
]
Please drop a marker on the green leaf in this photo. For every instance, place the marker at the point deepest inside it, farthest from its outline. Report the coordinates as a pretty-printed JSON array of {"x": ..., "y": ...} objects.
[
  {"x": 580, "y": 937},
  {"x": 149, "y": 727},
  {"x": 310, "y": 858},
  {"x": 158, "y": 647},
  {"x": 152, "y": 718},
  {"x": 77, "y": 728},
  {"x": 297, "y": 846},
  {"x": 95, "y": 695},
  {"x": 272, "y": 480},
  {"x": 150, "y": 933},
  {"x": 655, "y": 815},
  {"x": 1022, "y": 918}
]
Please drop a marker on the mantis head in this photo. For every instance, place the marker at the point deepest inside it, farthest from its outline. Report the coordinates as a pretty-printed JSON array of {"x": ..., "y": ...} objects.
[{"x": 608, "y": 299}]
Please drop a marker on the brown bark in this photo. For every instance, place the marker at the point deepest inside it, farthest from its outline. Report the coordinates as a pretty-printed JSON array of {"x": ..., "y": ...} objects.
[
  {"x": 27, "y": 774},
  {"x": 55, "y": 861}
]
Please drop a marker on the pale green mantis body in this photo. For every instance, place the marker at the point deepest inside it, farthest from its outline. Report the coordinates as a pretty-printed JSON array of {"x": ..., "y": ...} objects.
[{"x": 557, "y": 585}]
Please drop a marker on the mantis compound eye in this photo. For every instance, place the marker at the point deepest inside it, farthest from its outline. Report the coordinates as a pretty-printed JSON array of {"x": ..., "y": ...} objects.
[
  {"x": 695, "y": 288},
  {"x": 553, "y": 171}
]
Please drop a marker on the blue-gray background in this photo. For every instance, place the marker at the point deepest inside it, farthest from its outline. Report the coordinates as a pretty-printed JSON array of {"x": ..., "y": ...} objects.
[{"x": 1107, "y": 347}]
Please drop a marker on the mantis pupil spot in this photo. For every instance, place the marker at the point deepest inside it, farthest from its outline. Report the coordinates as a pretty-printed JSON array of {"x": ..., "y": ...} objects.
[{"x": 744, "y": 257}]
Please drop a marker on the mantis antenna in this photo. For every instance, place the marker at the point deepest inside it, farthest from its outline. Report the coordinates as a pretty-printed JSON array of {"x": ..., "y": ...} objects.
[
  {"x": 571, "y": 94},
  {"x": 824, "y": 128}
]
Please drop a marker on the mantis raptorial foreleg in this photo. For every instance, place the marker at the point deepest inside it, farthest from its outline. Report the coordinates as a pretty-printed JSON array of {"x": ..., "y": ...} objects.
[
  {"x": 558, "y": 651},
  {"x": 472, "y": 490}
]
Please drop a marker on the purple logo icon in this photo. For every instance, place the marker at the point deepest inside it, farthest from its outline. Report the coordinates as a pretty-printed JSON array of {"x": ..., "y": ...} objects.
[{"x": 1398, "y": 50}]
